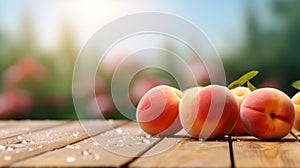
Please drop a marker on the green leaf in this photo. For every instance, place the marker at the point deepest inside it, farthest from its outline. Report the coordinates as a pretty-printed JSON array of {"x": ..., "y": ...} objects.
[
  {"x": 196, "y": 85},
  {"x": 243, "y": 79},
  {"x": 296, "y": 84},
  {"x": 251, "y": 86}
]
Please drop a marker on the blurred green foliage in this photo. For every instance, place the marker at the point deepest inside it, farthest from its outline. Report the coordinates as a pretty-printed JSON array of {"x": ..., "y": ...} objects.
[
  {"x": 270, "y": 46},
  {"x": 52, "y": 97}
]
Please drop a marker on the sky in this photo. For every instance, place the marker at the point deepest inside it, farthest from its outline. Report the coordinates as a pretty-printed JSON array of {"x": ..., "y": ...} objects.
[{"x": 219, "y": 20}]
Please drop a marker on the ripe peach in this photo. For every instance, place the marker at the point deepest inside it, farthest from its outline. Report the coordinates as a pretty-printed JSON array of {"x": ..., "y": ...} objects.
[
  {"x": 267, "y": 113},
  {"x": 296, "y": 102},
  {"x": 240, "y": 93},
  {"x": 157, "y": 111},
  {"x": 208, "y": 112}
]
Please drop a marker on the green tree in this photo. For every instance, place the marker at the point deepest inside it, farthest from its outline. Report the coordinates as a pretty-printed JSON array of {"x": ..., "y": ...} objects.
[
  {"x": 26, "y": 30},
  {"x": 271, "y": 47}
]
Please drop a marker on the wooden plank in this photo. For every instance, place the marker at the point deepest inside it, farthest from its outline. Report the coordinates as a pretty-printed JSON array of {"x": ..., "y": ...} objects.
[
  {"x": 27, "y": 145},
  {"x": 13, "y": 128},
  {"x": 252, "y": 152},
  {"x": 186, "y": 152},
  {"x": 296, "y": 134},
  {"x": 289, "y": 137},
  {"x": 4, "y": 123},
  {"x": 113, "y": 148},
  {"x": 266, "y": 153}
]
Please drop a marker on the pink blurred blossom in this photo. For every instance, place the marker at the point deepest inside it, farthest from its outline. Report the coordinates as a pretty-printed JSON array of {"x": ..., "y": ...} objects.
[
  {"x": 84, "y": 88},
  {"x": 14, "y": 103},
  {"x": 141, "y": 86},
  {"x": 201, "y": 72},
  {"x": 120, "y": 60},
  {"x": 25, "y": 68},
  {"x": 101, "y": 105},
  {"x": 54, "y": 101}
]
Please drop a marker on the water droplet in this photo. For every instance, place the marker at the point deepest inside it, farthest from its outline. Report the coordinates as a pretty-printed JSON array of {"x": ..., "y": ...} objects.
[
  {"x": 85, "y": 153},
  {"x": 40, "y": 146},
  {"x": 30, "y": 149},
  {"x": 8, "y": 149},
  {"x": 96, "y": 156},
  {"x": 119, "y": 131},
  {"x": 69, "y": 147},
  {"x": 19, "y": 137},
  {"x": 70, "y": 159},
  {"x": 20, "y": 145},
  {"x": 138, "y": 142},
  {"x": 73, "y": 147},
  {"x": 75, "y": 134},
  {"x": 147, "y": 141},
  {"x": 5, "y": 132},
  {"x": 24, "y": 141},
  {"x": 148, "y": 136},
  {"x": 2, "y": 147},
  {"x": 47, "y": 133},
  {"x": 7, "y": 157},
  {"x": 96, "y": 144},
  {"x": 201, "y": 139},
  {"x": 85, "y": 141}
]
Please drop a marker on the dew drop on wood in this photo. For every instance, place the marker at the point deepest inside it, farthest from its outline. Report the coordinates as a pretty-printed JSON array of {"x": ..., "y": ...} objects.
[
  {"x": 75, "y": 134},
  {"x": 7, "y": 157},
  {"x": 2, "y": 147},
  {"x": 85, "y": 153},
  {"x": 96, "y": 144},
  {"x": 8, "y": 149},
  {"x": 96, "y": 156},
  {"x": 70, "y": 159},
  {"x": 146, "y": 141},
  {"x": 119, "y": 130}
]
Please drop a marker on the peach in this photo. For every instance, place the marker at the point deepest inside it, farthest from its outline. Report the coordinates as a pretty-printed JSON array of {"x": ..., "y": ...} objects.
[
  {"x": 296, "y": 102},
  {"x": 157, "y": 111},
  {"x": 209, "y": 112},
  {"x": 267, "y": 113},
  {"x": 240, "y": 93}
]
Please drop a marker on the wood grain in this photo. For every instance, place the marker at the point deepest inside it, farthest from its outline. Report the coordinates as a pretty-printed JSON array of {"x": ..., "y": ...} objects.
[
  {"x": 266, "y": 153},
  {"x": 288, "y": 137},
  {"x": 186, "y": 153},
  {"x": 113, "y": 148},
  {"x": 13, "y": 128},
  {"x": 98, "y": 143},
  {"x": 27, "y": 145}
]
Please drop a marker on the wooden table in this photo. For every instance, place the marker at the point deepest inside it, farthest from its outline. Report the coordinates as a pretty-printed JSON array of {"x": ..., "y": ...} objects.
[{"x": 99, "y": 143}]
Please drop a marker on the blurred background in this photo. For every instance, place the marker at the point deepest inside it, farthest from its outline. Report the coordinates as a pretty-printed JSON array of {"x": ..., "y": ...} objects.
[{"x": 40, "y": 40}]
